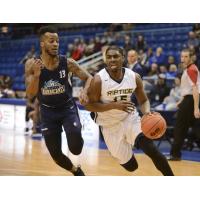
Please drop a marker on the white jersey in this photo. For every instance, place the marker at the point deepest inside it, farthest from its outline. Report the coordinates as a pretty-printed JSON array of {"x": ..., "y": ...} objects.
[
  {"x": 119, "y": 128},
  {"x": 111, "y": 91}
]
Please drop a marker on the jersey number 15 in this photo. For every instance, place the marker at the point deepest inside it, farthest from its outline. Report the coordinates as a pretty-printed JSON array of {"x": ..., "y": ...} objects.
[{"x": 121, "y": 98}]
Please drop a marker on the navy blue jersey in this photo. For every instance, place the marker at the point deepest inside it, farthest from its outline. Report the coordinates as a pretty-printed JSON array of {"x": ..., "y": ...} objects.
[{"x": 55, "y": 86}]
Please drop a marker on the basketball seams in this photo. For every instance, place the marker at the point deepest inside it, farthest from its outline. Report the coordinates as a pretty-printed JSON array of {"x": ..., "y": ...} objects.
[{"x": 154, "y": 125}]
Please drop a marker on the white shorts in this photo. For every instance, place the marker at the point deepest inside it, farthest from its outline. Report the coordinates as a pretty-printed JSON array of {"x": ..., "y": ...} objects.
[{"x": 120, "y": 138}]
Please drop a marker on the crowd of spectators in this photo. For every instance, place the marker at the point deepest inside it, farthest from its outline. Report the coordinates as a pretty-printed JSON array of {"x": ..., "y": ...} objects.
[{"x": 153, "y": 64}]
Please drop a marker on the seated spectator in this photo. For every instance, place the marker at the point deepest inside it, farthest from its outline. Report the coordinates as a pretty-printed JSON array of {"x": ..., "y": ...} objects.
[
  {"x": 159, "y": 57},
  {"x": 82, "y": 46},
  {"x": 127, "y": 43},
  {"x": 173, "y": 71},
  {"x": 170, "y": 60},
  {"x": 196, "y": 29},
  {"x": 69, "y": 51},
  {"x": 143, "y": 60},
  {"x": 163, "y": 69},
  {"x": 5, "y": 87},
  {"x": 149, "y": 54},
  {"x": 193, "y": 41},
  {"x": 140, "y": 43},
  {"x": 133, "y": 63},
  {"x": 142, "y": 57},
  {"x": 151, "y": 78},
  {"x": 76, "y": 53},
  {"x": 160, "y": 91},
  {"x": 97, "y": 44},
  {"x": 89, "y": 50},
  {"x": 153, "y": 71},
  {"x": 170, "y": 102}
]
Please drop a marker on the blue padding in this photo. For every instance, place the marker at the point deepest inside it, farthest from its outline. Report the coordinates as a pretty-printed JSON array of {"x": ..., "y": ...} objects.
[{"x": 21, "y": 102}]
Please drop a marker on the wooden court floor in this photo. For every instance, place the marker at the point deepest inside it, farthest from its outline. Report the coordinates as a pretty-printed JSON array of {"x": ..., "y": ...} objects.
[{"x": 20, "y": 155}]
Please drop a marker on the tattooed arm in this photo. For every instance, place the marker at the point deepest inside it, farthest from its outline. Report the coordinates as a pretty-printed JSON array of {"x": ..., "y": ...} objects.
[{"x": 74, "y": 67}]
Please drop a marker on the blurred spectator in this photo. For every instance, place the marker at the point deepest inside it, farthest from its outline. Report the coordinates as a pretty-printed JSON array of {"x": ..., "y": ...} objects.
[
  {"x": 108, "y": 38},
  {"x": 196, "y": 60},
  {"x": 5, "y": 87},
  {"x": 170, "y": 102},
  {"x": 196, "y": 30},
  {"x": 193, "y": 41},
  {"x": 159, "y": 57},
  {"x": 153, "y": 71},
  {"x": 127, "y": 43},
  {"x": 142, "y": 57},
  {"x": 89, "y": 50},
  {"x": 69, "y": 51},
  {"x": 173, "y": 71},
  {"x": 133, "y": 64},
  {"x": 159, "y": 91},
  {"x": 149, "y": 55},
  {"x": 170, "y": 60},
  {"x": 103, "y": 64},
  {"x": 140, "y": 43},
  {"x": 82, "y": 46},
  {"x": 97, "y": 44},
  {"x": 30, "y": 54},
  {"x": 128, "y": 26},
  {"x": 76, "y": 53},
  {"x": 115, "y": 27},
  {"x": 163, "y": 69}
]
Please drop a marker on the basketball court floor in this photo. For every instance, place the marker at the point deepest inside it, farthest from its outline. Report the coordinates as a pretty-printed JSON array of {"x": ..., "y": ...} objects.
[{"x": 22, "y": 155}]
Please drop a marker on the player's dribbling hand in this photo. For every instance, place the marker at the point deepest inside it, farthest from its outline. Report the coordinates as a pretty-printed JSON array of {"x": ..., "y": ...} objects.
[
  {"x": 37, "y": 66},
  {"x": 152, "y": 113},
  {"x": 128, "y": 107}
]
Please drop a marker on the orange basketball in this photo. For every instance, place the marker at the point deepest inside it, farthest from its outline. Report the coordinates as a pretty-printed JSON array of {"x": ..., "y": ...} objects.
[{"x": 153, "y": 126}]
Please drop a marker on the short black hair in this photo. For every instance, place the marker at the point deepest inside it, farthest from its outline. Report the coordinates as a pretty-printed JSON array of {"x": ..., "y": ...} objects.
[
  {"x": 45, "y": 29},
  {"x": 119, "y": 49}
]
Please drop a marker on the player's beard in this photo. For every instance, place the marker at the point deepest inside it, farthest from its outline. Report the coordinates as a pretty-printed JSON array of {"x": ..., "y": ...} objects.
[{"x": 51, "y": 53}]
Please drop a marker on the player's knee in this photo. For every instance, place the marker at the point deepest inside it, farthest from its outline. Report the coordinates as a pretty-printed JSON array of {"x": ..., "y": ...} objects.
[
  {"x": 76, "y": 147},
  {"x": 131, "y": 165},
  {"x": 75, "y": 144},
  {"x": 76, "y": 150}
]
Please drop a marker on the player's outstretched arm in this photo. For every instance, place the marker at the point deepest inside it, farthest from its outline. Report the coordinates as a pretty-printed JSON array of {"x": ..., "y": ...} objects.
[
  {"x": 95, "y": 104},
  {"x": 78, "y": 71},
  {"x": 141, "y": 96}
]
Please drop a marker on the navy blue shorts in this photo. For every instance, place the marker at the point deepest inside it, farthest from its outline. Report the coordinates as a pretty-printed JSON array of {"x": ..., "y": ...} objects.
[{"x": 53, "y": 119}]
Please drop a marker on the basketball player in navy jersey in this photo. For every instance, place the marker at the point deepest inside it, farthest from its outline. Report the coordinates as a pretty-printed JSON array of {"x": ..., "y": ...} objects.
[
  {"x": 110, "y": 96},
  {"x": 49, "y": 80}
]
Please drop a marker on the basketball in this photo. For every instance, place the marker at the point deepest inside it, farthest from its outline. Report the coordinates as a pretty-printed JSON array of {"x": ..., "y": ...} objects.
[{"x": 153, "y": 126}]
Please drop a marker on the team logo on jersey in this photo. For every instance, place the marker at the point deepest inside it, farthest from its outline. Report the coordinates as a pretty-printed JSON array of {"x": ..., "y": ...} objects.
[
  {"x": 52, "y": 87},
  {"x": 118, "y": 92}
]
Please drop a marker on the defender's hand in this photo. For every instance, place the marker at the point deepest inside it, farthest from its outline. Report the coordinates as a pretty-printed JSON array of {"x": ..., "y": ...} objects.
[
  {"x": 37, "y": 66},
  {"x": 83, "y": 97},
  {"x": 124, "y": 106}
]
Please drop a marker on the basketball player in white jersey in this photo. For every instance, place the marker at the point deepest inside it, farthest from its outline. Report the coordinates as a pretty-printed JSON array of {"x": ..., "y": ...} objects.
[{"x": 110, "y": 96}]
